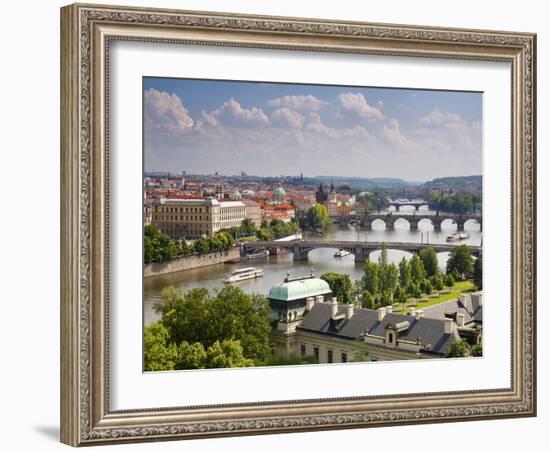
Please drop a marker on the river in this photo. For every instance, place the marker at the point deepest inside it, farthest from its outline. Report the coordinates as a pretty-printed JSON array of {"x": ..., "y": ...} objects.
[{"x": 320, "y": 261}]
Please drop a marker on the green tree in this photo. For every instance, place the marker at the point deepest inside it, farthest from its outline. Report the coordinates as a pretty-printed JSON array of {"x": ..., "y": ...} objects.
[
  {"x": 478, "y": 272},
  {"x": 477, "y": 350},
  {"x": 405, "y": 276},
  {"x": 191, "y": 356},
  {"x": 227, "y": 353},
  {"x": 417, "y": 269},
  {"x": 317, "y": 218},
  {"x": 264, "y": 234},
  {"x": 158, "y": 352},
  {"x": 426, "y": 286},
  {"x": 449, "y": 280},
  {"x": 400, "y": 295},
  {"x": 389, "y": 276},
  {"x": 383, "y": 259},
  {"x": 230, "y": 314},
  {"x": 429, "y": 260},
  {"x": 386, "y": 298},
  {"x": 437, "y": 281},
  {"x": 367, "y": 300},
  {"x": 247, "y": 227},
  {"x": 148, "y": 250},
  {"x": 201, "y": 246},
  {"x": 371, "y": 279},
  {"x": 461, "y": 261},
  {"x": 340, "y": 285},
  {"x": 459, "y": 349}
]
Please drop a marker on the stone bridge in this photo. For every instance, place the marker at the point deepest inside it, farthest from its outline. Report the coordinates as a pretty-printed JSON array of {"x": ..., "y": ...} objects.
[
  {"x": 390, "y": 219},
  {"x": 300, "y": 248},
  {"x": 416, "y": 204}
]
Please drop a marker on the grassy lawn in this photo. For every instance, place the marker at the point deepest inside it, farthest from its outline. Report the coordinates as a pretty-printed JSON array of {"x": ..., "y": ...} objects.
[
  {"x": 247, "y": 239},
  {"x": 461, "y": 287}
]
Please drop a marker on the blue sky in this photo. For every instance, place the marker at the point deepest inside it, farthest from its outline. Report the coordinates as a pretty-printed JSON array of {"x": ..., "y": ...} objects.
[{"x": 204, "y": 126}]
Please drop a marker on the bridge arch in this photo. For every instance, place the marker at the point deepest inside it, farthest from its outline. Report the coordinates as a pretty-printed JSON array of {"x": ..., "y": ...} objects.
[
  {"x": 424, "y": 222},
  {"x": 472, "y": 221},
  {"x": 448, "y": 223}
]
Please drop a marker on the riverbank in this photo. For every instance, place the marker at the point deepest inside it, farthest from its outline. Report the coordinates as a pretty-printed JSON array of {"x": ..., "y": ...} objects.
[{"x": 189, "y": 262}]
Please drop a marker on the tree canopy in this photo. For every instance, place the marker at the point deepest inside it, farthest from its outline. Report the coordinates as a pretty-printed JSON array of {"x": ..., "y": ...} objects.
[
  {"x": 460, "y": 261},
  {"x": 340, "y": 285},
  {"x": 317, "y": 218}
]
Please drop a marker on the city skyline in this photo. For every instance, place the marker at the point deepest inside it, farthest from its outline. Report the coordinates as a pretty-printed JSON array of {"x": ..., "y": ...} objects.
[{"x": 273, "y": 129}]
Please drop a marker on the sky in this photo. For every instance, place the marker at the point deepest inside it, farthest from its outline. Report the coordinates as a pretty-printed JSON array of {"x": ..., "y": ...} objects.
[{"x": 272, "y": 129}]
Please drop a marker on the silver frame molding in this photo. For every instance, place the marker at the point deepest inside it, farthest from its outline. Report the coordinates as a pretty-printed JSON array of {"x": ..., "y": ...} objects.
[{"x": 86, "y": 32}]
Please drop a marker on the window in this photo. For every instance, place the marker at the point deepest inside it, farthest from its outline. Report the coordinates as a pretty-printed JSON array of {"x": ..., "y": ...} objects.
[
  {"x": 303, "y": 350},
  {"x": 390, "y": 338},
  {"x": 344, "y": 357},
  {"x": 329, "y": 356},
  {"x": 316, "y": 353}
]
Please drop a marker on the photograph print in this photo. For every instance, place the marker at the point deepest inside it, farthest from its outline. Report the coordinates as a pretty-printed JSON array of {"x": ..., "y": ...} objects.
[{"x": 289, "y": 224}]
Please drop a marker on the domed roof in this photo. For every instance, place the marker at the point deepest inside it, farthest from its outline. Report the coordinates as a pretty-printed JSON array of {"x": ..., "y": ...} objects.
[
  {"x": 298, "y": 288},
  {"x": 279, "y": 192},
  {"x": 363, "y": 194},
  {"x": 237, "y": 195}
]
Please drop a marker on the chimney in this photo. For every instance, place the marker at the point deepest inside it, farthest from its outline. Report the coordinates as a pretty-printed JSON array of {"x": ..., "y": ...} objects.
[
  {"x": 449, "y": 325},
  {"x": 381, "y": 314},
  {"x": 349, "y": 310},
  {"x": 464, "y": 300},
  {"x": 419, "y": 313},
  {"x": 310, "y": 301},
  {"x": 319, "y": 299},
  {"x": 389, "y": 309},
  {"x": 412, "y": 312},
  {"x": 334, "y": 307},
  {"x": 460, "y": 319},
  {"x": 479, "y": 296}
]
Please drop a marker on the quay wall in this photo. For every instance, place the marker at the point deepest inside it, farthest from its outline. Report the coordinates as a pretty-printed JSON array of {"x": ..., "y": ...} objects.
[{"x": 189, "y": 262}]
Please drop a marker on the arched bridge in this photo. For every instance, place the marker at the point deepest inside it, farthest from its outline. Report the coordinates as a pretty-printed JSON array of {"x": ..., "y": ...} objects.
[
  {"x": 390, "y": 219},
  {"x": 300, "y": 248},
  {"x": 416, "y": 203}
]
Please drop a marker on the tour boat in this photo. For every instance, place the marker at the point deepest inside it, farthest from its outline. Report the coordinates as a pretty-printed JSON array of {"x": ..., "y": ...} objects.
[
  {"x": 243, "y": 274},
  {"x": 341, "y": 253},
  {"x": 260, "y": 254},
  {"x": 457, "y": 236}
]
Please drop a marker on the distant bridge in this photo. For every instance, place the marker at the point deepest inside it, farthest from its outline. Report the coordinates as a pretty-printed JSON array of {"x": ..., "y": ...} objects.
[
  {"x": 390, "y": 219},
  {"x": 300, "y": 248},
  {"x": 416, "y": 203}
]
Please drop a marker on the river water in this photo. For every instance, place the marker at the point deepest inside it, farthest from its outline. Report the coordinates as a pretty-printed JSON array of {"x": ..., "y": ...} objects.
[{"x": 320, "y": 261}]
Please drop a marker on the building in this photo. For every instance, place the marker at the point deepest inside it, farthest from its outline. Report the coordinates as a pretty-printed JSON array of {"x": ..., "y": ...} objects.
[
  {"x": 253, "y": 211},
  {"x": 307, "y": 322},
  {"x": 195, "y": 218}
]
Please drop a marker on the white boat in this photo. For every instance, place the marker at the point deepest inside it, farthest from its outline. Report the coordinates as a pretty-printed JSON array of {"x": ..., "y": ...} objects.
[
  {"x": 246, "y": 273},
  {"x": 341, "y": 253},
  {"x": 458, "y": 236},
  {"x": 260, "y": 254}
]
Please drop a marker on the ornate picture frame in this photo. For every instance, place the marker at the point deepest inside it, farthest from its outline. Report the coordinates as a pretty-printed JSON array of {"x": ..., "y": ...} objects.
[{"x": 87, "y": 32}]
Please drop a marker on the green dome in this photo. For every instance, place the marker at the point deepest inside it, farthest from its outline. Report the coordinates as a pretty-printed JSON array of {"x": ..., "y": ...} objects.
[
  {"x": 298, "y": 288},
  {"x": 279, "y": 192}
]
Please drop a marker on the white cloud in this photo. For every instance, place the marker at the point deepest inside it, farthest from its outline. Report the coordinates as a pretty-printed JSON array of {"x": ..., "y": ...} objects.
[
  {"x": 233, "y": 114},
  {"x": 315, "y": 124},
  {"x": 357, "y": 105},
  {"x": 440, "y": 118},
  {"x": 286, "y": 118},
  {"x": 165, "y": 113},
  {"x": 298, "y": 102},
  {"x": 394, "y": 135}
]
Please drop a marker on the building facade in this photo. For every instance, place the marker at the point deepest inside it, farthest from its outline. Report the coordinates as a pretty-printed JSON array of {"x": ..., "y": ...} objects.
[{"x": 195, "y": 218}]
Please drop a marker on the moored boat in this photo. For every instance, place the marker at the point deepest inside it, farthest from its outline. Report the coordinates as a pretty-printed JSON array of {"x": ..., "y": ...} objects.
[{"x": 341, "y": 253}]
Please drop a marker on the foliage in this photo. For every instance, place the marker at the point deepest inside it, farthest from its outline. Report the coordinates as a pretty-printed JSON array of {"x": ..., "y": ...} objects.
[
  {"x": 230, "y": 314},
  {"x": 426, "y": 286},
  {"x": 227, "y": 353},
  {"x": 247, "y": 227},
  {"x": 373, "y": 201},
  {"x": 276, "y": 229},
  {"x": 400, "y": 295},
  {"x": 477, "y": 350},
  {"x": 405, "y": 275},
  {"x": 317, "y": 218},
  {"x": 159, "y": 353},
  {"x": 449, "y": 280},
  {"x": 159, "y": 247},
  {"x": 459, "y": 203},
  {"x": 459, "y": 349},
  {"x": 437, "y": 281},
  {"x": 340, "y": 285},
  {"x": 386, "y": 298},
  {"x": 367, "y": 300},
  {"x": 460, "y": 261},
  {"x": 418, "y": 272},
  {"x": 478, "y": 272},
  {"x": 371, "y": 279},
  {"x": 389, "y": 277},
  {"x": 429, "y": 260}
]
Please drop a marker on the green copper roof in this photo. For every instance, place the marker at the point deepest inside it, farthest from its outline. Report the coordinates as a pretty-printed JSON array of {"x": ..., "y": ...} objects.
[
  {"x": 280, "y": 192},
  {"x": 297, "y": 288}
]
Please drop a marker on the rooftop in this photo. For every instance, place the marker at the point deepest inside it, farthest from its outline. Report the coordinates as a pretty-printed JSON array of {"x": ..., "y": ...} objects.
[{"x": 298, "y": 288}]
